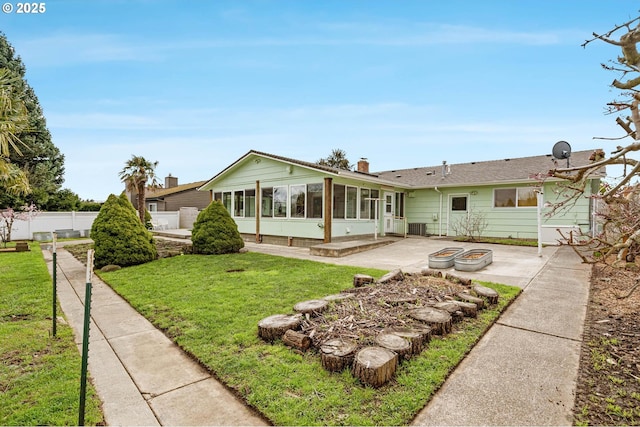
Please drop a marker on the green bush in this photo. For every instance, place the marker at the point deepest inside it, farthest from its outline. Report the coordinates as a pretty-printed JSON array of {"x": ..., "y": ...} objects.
[
  {"x": 215, "y": 232},
  {"x": 119, "y": 236}
]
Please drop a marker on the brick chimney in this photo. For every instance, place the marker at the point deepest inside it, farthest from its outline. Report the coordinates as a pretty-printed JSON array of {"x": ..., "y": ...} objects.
[
  {"x": 170, "y": 181},
  {"x": 363, "y": 165}
]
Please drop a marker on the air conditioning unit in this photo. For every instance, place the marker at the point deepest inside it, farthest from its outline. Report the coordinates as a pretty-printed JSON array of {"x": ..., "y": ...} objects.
[{"x": 417, "y": 229}]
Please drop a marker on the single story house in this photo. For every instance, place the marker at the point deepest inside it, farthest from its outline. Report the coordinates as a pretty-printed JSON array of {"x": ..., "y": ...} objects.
[{"x": 276, "y": 199}]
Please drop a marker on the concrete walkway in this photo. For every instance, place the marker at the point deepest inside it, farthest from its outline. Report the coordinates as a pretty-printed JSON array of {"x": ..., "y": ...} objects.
[
  {"x": 142, "y": 378},
  {"x": 522, "y": 372}
]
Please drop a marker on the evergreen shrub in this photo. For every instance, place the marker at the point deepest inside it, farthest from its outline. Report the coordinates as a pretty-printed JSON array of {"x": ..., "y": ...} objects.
[
  {"x": 215, "y": 232},
  {"x": 119, "y": 236}
]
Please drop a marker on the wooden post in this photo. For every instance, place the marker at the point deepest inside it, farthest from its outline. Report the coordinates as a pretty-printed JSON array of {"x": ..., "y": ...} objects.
[
  {"x": 328, "y": 208},
  {"x": 258, "y": 210}
]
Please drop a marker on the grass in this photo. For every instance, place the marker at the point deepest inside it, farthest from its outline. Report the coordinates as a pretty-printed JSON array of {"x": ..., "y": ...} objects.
[
  {"x": 39, "y": 374},
  {"x": 211, "y": 305}
]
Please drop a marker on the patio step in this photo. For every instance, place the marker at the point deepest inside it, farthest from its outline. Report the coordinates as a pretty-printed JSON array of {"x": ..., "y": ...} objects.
[{"x": 340, "y": 249}]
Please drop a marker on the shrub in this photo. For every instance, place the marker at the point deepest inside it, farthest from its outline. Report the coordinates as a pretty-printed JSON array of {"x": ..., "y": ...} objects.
[
  {"x": 119, "y": 236},
  {"x": 215, "y": 232}
]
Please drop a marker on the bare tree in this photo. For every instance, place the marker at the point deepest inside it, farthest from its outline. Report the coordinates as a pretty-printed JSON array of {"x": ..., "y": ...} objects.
[
  {"x": 620, "y": 201},
  {"x": 471, "y": 226}
]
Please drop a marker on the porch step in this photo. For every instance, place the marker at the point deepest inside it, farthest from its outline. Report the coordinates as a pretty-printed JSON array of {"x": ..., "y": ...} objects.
[{"x": 340, "y": 249}]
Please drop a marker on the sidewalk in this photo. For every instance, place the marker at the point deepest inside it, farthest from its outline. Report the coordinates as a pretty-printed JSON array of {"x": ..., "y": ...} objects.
[
  {"x": 142, "y": 378},
  {"x": 522, "y": 372}
]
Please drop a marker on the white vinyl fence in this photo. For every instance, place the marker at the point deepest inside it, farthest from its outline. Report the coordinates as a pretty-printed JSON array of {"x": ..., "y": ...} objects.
[{"x": 41, "y": 225}]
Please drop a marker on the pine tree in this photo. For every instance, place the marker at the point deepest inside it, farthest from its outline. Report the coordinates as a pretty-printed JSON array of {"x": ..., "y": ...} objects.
[{"x": 39, "y": 158}]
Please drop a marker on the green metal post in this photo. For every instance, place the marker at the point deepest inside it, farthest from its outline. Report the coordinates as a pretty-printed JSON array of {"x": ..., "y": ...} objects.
[
  {"x": 85, "y": 338},
  {"x": 55, "y": 295}
]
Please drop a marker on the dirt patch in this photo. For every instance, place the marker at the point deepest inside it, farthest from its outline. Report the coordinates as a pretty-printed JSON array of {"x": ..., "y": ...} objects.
[
  {"x": 608, "y": 388},
  {"x": 166, "y": 248}
]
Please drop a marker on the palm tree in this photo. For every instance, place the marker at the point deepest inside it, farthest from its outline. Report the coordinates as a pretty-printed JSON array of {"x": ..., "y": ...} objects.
[
  {"x": 13, "y": 120},
  {"x": 136, "y": 174}
]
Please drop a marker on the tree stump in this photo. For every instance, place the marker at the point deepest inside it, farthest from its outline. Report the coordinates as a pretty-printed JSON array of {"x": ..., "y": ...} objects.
[
  {"x": 469, "y": 309},
  {"x": 273, "y": 327},
  {"x": 479, "y": 302},
  {"x": 400, "y": 345},
  {"x": 395, "y": 275},
  {"x": 313, "y": 305},
  {"x": 336, "y": 354},
  {"x": 338, "y": 297},
  {"x": 375, "y": 365},
  {"x": 296, "y": 340},
  {"x": 463, "y": 281},
  {"x": 439, "y": 320},
  {"x": 488, "y": 293},
  {"x": 431, "y": 272},
  {"x": 452, "y": 308},
  {"x": 360, "y": 280},
  {"x": 419, "y": 337}
]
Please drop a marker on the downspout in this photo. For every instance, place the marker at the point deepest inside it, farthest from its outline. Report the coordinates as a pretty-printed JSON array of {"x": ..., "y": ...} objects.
[{"x": 440, "y": 213}]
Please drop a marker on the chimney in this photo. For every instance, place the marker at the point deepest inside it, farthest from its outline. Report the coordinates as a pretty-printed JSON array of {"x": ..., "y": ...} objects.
[
  {"x": 363, "y": 165},
  {"x": 170, "y": 181}
]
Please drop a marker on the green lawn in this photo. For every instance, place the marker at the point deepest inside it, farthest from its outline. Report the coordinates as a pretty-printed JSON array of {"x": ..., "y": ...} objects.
[
  {"x": 39, "y": 374},
  {"x": 211, "y": 305}
]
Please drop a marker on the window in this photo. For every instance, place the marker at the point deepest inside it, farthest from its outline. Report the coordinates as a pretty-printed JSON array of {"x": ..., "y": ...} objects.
[
  {"x": 338, "y": 200},
  {"x": 388, "y": 204},
  {"x": 297, "y": 199},
  {"x": 459, "y": 203},
  {"x": 365, "y": 206},
  {"x": 375, "y": 194},
  {"x": 226, "y": 200},
  {"x": 314, "y": 201},
  {"x": 352, "y": 202},
  {"x": 238, "y": 203},
  {"x": 153, "y": 207},
  {"x": 267, "y": 202},
  {"x": 250, "y": 203},
  {"x": 399, "y": 205},
  {"x": 217, "y": 196},
  {"x": 514, "y": 197},
  {"x": 280, "y": 202}
]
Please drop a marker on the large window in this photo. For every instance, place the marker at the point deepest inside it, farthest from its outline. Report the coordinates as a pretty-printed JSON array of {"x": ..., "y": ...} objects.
[
  {"x": 338, "y": 200},
  {"x": 297, "y": 199},
  {"x": 280, "y": 202},
  {"x": 375, "y": 194},
  {"x": 352, "y": 202},
  {"x": 250, "y": 203},
  {"x": 314, "y": 201},
  {"x": 267, "y": 202},
  {"x": 514, "y": 197},
  {"x": 238, "y": 203},
  {"x": 365, "y": 206},
  {"x": 226, "y": 200}
]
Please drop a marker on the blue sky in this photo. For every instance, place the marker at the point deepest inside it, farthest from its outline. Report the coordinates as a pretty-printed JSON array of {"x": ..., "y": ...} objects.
[{"x": 196, "y": 84}]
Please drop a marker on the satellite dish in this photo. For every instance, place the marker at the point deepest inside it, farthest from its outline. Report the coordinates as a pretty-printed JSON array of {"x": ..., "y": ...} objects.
[{"x": 562, "y": 150}]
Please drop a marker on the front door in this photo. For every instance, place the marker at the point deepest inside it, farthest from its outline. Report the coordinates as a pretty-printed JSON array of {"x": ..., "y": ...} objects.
[
  {"x": 458, "y": 214},
  {"x": 388, "y": 213}
]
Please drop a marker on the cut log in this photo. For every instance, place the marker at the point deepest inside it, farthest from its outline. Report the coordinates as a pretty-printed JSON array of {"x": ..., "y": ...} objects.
[
  {"x": 479, "y": 302},
  {"x": 392, "y": 276},
  {"x": 488, "y": 293},
  {"x": 452, "y": 308},
  {"x": 338, "y": 297},
  {"x": 313, "y": 305},
  {"x": 431, "y": 272},
  {"x": 273, "y": 327},
  {"x": 360, "y": 280},
  {"x": 439, "y": 320},
  {"x": 453, "y": 278},
  {"x": 469, "y": 309},
  {"x": 419, "y": 337},
  {"x": 296, "y": 340},
  {"x": 375, "y": 365},
  {"x": 336, "y": 354},
  {"x": 401, "y": 346}
]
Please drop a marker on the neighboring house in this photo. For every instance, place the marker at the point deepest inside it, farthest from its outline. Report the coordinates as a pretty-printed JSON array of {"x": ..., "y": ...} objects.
[
  {"x": 276, "y": 199},
  {"x": 173, "y": 197}
]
